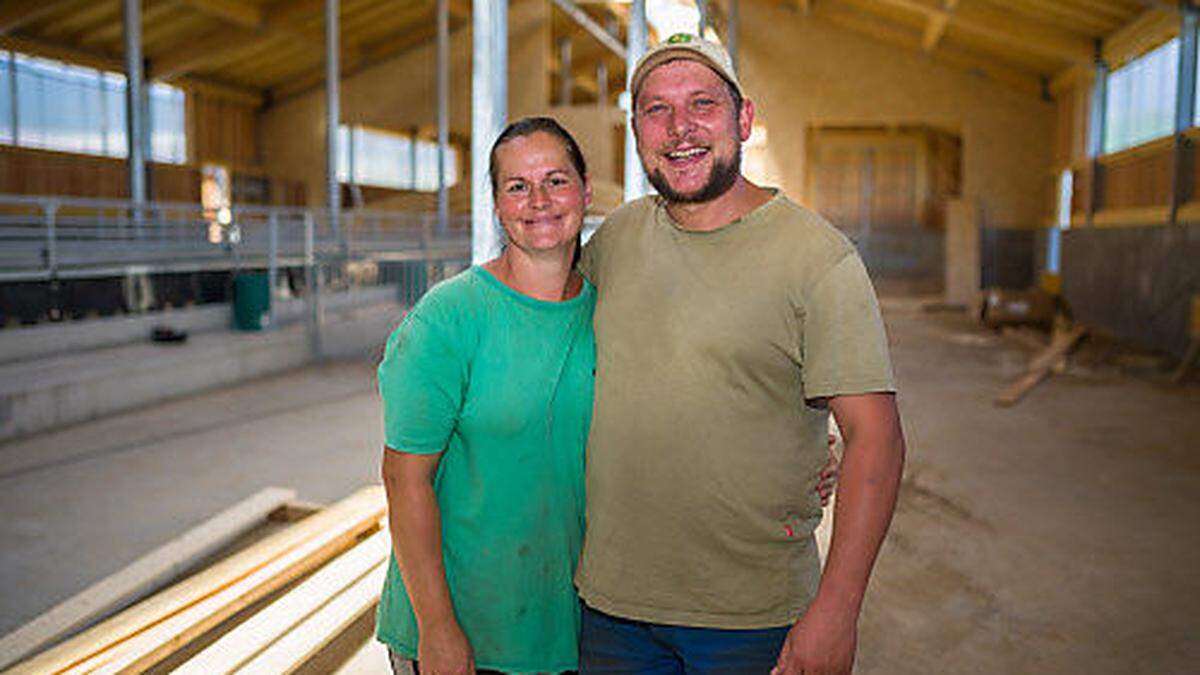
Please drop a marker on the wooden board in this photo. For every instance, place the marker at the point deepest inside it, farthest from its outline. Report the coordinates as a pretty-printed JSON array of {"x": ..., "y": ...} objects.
[
  {"x": 145, "y": 632},
  {"x": 1041, "y": 366},
  {"x": 307, "y": 639},
  {"x": 257, "y": 633},
  {"x": 142, "y": 575}
]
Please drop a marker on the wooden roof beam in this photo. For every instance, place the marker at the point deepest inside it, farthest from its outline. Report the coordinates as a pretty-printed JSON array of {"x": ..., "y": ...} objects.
[
  {"x": 229, "y": 11},
  {"x": 110, "y": 63},
  {"x": 17, "y": 13},
  {"x": 226, "y": 45},
  {"x": 992, "y": 23},
  {"x": 936, "y": 26}
]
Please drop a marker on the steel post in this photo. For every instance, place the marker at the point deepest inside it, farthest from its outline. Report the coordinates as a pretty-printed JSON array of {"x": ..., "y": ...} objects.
[
  {"x": 489, "y": 99},
  {"x": 1185, "y": 105},
  {"x": 731, "y": 33},
  {"x": 135, "y": 107},
  {"x": 635, "y": 177},
  {"x": 272, "y": 263},
  {"x": 443, "y": 113},
  {"x": 332, "y": 117}
]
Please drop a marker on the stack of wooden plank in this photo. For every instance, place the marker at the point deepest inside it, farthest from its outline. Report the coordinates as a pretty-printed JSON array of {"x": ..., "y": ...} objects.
[{"x": 270, "y": 607}]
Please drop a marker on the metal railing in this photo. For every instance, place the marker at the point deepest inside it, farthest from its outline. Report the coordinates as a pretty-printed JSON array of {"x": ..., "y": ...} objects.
[{"x": 46, "y": 238}]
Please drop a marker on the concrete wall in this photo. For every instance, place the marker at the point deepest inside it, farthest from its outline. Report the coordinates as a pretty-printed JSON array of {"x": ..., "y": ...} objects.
[
  {"x": 801, "y": 71},
  {"x": 401, "y": 93},
  {"x": 1136, "y": 282}
]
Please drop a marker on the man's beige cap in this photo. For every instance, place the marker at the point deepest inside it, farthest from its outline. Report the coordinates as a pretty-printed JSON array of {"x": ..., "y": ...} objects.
[{"x": 686, "y": 46}]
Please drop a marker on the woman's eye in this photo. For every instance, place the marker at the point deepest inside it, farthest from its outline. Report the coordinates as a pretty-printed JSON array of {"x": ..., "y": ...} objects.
[
  {"x": 558, "y": 181},
  {"x": 517, "y": 188}
]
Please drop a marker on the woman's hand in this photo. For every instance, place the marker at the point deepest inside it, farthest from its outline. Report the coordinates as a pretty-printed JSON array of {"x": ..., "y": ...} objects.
[
  {"x": 829, "y": 474},
  {"x": 444, "y": 650}
]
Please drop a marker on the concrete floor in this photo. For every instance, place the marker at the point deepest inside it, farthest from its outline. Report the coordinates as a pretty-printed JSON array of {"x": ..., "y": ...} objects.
[{"x": 1059, "y": 536}]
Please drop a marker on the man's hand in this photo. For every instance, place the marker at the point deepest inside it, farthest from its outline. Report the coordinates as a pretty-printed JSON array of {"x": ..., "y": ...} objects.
[
  {"x": 829, "y": 474},
  {"x": 444, "y": 650},
  {"x": 821, "y": 643}
]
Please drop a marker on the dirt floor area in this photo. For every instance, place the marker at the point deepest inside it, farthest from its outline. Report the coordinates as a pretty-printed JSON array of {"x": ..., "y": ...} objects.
[{"x": 1058, "y": 536}]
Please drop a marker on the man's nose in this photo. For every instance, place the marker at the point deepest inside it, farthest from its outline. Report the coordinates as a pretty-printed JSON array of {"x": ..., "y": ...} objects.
[{"x": 680, "y": 123}]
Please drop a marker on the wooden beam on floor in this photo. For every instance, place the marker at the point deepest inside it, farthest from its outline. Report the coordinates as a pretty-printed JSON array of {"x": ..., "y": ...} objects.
[
  {"x": 235, "y": 649},
  {"x": 142, "y": 575},
  {"x": 144, "y": 634},
  {"x": 1040, "y": 367}
]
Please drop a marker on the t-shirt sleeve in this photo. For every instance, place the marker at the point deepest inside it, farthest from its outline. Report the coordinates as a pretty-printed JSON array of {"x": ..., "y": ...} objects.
[
  {"x": 422, "y": 381},
  {"x": 845, "y": 348},
  {"x": 589, "y": 258}
]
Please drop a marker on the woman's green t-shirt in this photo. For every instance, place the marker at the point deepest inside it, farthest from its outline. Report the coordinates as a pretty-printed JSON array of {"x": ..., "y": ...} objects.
[{"x": 502, "y": 384}]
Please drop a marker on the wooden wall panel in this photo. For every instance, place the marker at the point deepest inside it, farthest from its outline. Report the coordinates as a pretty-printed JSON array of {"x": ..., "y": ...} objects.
[
  {"x": 1138, "y": 179},
  {"x": 27, "y": 171},
  {"x": 223, "y": 131}
]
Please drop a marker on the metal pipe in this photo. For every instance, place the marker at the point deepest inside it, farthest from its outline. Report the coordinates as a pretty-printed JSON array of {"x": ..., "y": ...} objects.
[
  {"x": 489, "y": 96},
  {"x": 1185, "y": 104},
  {"x": 272, "y": 264},
  {"x": 702, "y": 20},
  {"x": 731, "y": 37},
  {"x": 635, "y": 176},
  {"x": 12, "y": 96},
  {"x": 602, "y": 84},
  {"x": 332, "y": 117},
  {"x": 564, "y": 72},
  {"x": 1096, "y": 131},
  {"x": 588, "y": 24},
  {"x": 134, "y": 106},
  {"x": 443, "y": 113}
]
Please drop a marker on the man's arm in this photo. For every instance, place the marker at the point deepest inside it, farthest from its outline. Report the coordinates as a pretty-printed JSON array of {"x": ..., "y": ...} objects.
[
  {"x": 415, "y": 523},
  {"x": 825, "y": 638}
]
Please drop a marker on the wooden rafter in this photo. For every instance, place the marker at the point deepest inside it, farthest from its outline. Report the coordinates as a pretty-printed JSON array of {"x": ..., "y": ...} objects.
[
  {"x": 1017, "y": 79},
  {"x": 17, "y": 13},
  {"x": 231, "y": 11},
  {"x": 228, "y": 44},
  {"x": 936, "y": 26},
  {"x": 983, "y": 20},
  {"x": 112, "y": 31},
  {"x": 367, "y": 56},
  {"x": 112, "y": 63}
]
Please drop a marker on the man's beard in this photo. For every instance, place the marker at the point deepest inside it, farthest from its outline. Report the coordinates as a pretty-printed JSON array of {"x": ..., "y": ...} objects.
[{"x": 722, "y": 177}]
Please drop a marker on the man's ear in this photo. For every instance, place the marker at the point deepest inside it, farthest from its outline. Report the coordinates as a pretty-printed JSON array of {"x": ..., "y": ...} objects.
[{"x": 746, "y": 119}]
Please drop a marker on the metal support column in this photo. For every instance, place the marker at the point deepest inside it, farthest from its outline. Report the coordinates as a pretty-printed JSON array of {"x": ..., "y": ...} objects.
[
  {"x": 702, "y": 22},
  {"x": 731, "y": 37},
  {"x": 332, "y": 118},
  {"x": 602, "y": 84},
  {"x": 1096, "y": 124},
  {"x": 272, "y": 265},
  {"x": 489, "y": 104},
  {"x": 635, "y": 176},
  {"x": 564, "y": 72},
  {"x": 135, "y": 107},
  {"x": 1185, "y": 108},
  {"x": 443, "y": 113}
]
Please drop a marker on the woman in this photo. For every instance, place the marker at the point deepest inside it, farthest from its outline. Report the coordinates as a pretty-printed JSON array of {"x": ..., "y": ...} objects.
[{"x": 487, "y": 390}]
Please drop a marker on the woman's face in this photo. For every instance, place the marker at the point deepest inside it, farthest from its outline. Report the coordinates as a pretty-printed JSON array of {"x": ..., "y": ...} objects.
[{"x": 540, "y": 198}]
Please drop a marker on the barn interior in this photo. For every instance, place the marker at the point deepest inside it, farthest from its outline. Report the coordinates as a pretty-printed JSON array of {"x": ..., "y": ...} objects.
[{"x": 212, "y": 213}]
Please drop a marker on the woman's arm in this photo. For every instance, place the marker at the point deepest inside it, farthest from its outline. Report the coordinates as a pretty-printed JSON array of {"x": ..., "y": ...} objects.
[{"x": 415, "y": 524}]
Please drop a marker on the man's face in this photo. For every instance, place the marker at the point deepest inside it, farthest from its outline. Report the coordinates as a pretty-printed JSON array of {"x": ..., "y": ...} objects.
[{"x": 689, "y": 135}]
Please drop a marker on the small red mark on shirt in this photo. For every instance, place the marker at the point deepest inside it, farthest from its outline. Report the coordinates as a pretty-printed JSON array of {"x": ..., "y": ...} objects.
[{"x": 787, "y": 529}]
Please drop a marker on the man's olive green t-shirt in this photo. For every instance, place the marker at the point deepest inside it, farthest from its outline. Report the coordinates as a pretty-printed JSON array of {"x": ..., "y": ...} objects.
[{"x": 707, "y": 436}]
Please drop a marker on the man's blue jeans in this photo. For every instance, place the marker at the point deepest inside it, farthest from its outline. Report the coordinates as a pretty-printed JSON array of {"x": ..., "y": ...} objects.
[{"x": 608, "y": 644}]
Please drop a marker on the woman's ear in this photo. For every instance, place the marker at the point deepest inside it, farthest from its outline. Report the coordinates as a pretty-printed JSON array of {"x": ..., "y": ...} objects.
[{"x": 587, "y": 193}]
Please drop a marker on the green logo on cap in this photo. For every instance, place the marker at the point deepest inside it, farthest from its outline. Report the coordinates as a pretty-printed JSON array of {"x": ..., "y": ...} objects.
[{"x": 680, "y": 38}]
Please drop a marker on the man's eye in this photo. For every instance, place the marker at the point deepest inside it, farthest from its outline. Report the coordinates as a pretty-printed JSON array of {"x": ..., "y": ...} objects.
[
  {"x": 558, "y": 181},
  {"x": 654, "y": 109},
  {"x": 516, "y": 188},
  {"x": 705, "y": 103}
]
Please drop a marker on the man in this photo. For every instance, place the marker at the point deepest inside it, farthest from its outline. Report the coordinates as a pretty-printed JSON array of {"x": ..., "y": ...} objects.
[{"x": 729, "y": 323}]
